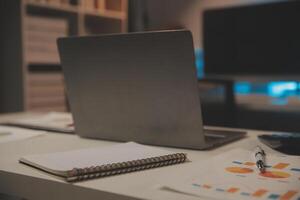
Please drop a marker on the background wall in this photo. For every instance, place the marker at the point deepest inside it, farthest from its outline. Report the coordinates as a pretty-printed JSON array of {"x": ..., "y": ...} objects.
[
  {"x": 255, "y": 104},
  {"x": 164, "y": 14}
]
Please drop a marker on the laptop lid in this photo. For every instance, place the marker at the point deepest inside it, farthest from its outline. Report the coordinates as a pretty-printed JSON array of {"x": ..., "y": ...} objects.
[{"x": 134, "y": 87}]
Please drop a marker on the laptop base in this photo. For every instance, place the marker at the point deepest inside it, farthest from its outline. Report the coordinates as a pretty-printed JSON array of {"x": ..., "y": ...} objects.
[{"x": 215, "y": 138}]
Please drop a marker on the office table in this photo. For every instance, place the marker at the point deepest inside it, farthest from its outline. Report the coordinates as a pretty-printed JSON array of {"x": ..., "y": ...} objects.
[{"x": 24, "y": 181}]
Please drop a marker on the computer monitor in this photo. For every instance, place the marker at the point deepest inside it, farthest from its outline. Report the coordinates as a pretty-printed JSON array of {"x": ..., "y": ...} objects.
[{"x": 255, "y": 40}]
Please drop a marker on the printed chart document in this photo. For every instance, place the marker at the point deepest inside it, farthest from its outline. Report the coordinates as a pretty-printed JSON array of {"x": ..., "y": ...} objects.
[
  {"x": 10, "y": 134},
  {"x": 233, "y": 175},
  {"x": 53, "y": 121}
]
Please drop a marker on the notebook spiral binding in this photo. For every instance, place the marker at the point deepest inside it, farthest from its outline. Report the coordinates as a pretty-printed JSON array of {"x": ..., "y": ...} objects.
[{"x": 78, "y": 174}]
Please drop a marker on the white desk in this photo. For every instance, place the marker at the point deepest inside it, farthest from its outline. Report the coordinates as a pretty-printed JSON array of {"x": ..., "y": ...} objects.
[{"x": 23, "y": 181}]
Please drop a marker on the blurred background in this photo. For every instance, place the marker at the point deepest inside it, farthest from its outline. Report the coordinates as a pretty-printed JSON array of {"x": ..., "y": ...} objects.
[{"x": 247, "y": 53}]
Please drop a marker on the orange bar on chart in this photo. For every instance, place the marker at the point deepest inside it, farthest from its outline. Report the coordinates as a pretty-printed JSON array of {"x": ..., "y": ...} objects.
[
  {"x": 259, "y": 193},
  {"x": 288, "y": 195},
  {"x": 206, "y": 186},
  {"x": 233, "y": 190},
  {"x": 249, "y": 163},
  {"x": 280, "y": 166}
]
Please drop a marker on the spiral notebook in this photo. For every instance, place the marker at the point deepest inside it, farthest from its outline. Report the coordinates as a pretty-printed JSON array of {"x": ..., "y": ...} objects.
[{"x": 99, "y": 162}]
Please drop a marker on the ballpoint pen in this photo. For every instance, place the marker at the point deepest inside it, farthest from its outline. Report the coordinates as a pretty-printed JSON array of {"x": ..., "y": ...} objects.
[{"x": 260, "y": 155}]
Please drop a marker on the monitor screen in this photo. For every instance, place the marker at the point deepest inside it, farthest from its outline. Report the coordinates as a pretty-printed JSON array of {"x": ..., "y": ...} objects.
[{"x": 261, "y": 39}]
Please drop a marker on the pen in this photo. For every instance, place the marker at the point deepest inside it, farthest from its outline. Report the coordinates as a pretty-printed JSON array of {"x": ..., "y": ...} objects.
[{"x": 260, "y": 155}]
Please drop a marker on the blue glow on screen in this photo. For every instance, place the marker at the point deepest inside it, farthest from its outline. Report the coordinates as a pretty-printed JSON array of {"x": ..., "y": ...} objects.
[
  {"x": 282, "y": 88},
  {"x": 273, "y": 89},
  {"x": 242, "y": 88},
  {"x": 276, "y": 89},
  {"x": 199, "y": 63}
]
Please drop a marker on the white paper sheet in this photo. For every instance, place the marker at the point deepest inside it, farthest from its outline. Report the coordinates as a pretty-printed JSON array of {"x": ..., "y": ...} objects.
[
  {"x": 10, "y": 134},
  {"x": 56, "y": 121}
]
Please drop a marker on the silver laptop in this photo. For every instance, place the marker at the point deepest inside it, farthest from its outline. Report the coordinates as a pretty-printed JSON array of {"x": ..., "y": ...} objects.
[{"x": 138, "y": 87}]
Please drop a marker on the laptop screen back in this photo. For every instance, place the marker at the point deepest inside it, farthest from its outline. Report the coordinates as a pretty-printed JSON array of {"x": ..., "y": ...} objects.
[{"x": 134, "y": 87}]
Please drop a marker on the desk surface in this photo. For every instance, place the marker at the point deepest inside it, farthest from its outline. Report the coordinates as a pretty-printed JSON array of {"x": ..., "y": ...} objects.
[{"x": 24, "y": 181}]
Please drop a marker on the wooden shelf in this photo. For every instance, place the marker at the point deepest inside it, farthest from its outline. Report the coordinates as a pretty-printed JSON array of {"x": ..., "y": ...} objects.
[
  {"x": 25, "y": 62},
  {"x": 106, "y": 14},
  {"x": 64, "y": 8},
  {"x": 77, "y": 9}
]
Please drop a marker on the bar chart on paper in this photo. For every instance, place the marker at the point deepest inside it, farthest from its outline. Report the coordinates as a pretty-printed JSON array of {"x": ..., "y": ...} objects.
[{"x": 235, "y": 176}]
